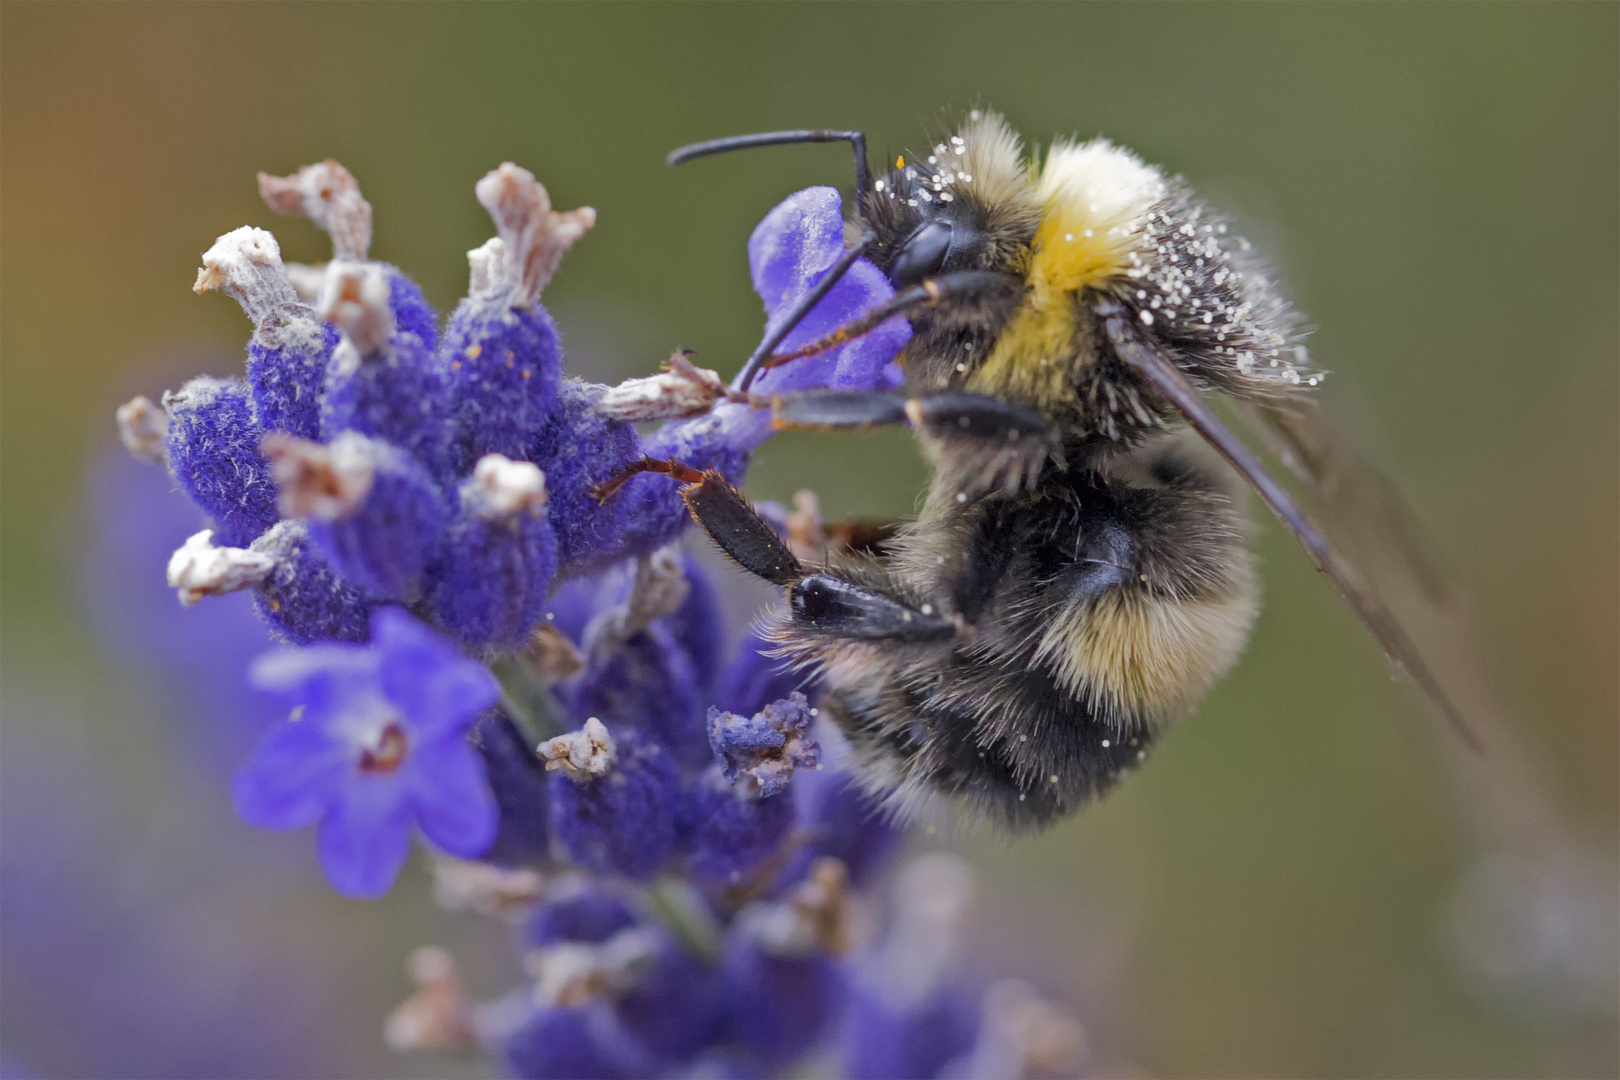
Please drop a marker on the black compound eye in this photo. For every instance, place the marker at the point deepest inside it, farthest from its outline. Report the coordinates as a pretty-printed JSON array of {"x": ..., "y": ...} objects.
[{"x": 922, "y": 254}]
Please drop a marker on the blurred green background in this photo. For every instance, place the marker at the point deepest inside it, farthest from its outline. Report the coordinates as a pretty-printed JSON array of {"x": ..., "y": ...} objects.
[{"x": 1436, "y": 185}]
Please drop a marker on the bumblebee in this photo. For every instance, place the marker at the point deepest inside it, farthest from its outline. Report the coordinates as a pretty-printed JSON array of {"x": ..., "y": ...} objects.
[{"x": 1078, "y": 575}]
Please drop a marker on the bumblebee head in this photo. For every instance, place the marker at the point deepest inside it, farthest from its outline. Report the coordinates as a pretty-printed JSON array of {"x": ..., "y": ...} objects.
[
  {"x": 960, "y": 220},
  {"x": 966, "y": 205}
]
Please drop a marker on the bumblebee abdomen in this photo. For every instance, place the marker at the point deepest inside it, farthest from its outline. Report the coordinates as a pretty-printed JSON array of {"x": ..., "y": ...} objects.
[{"x": 1141, "y": 659}]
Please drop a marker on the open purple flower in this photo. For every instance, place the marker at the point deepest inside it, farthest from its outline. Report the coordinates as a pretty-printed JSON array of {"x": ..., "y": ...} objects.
[
  {"x": 789, "y": 253},
  {"x": 376, "y": 745}
]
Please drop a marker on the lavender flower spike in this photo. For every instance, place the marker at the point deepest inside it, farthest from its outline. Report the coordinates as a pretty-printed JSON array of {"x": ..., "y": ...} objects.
[{"x": 380, "y": 746}]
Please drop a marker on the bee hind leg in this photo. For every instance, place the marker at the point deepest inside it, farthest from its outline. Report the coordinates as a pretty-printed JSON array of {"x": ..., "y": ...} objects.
[{"x": 822, "y": 603}]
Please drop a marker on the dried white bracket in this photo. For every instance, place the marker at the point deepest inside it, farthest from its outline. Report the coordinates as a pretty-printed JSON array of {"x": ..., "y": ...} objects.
[
  {"x": 200, "y": 569},
  {"x": 534, "y": 236},
  {"x": 325, "y": 483},
  {"x": 502, "y": 488},
  {"x": 581, "y": 755},
  {"x": 328, "y": 195},
  {"x": 246, "y": 264},
  {"x": 355, "y": 298},
  {"x": 143, "y": 428},
  {"x": 680, "y": 391}
]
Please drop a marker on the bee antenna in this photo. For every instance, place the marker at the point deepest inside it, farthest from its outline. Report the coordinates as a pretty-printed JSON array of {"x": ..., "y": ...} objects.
[
  {"x": 856, "y": 139},
  {"x": 925, "y": 294}
]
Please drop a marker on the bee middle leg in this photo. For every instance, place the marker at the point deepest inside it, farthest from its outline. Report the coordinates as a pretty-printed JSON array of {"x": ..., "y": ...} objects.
[{"x": 979, "y": 443}]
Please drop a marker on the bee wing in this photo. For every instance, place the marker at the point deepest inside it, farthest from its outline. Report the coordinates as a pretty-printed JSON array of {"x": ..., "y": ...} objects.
[
  {"x": 1362, "y": 507},
  {"x": 1159, "y": 372}
]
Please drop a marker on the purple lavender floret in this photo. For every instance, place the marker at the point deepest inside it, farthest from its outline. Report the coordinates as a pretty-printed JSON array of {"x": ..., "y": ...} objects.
[
  {"x": 379, "y": 749},
  {"x": 371, "y": 509},
  {"x": 304, "y": 599},
  {"x": 699, "y": 625},
  {"x": 725, "y": 832},
  {"x": 383, "y": 380},
  {"x": 578, "y": 910},
  {"x": 499, "y": 556},
  {"x": 579, "y": 448},
  {"x": 412, "y": 313},
  {"x": 500, "y": 351},
  {"x": 286, "y": 368},
  {"x": 883, "y": 1040},
  {"x": 784, "y": 1002},
  {"x": 613, "y": 802},
  {"x": 754, "y": 679},
  {"x": 650, "y": 669},
  {"x": 213, "y": 452},
  {"x": 504, "y": 367},
  {"x": 517, "y": 778},
  {"x": 839, "y": 820},
  {"x": 677, "y": 1006},
  {"x": 290, "y": 347},
  {"x": 649, "y": 682},
  {"x": 764, "y": 749},
  {"x": 585, "y": 1042}
]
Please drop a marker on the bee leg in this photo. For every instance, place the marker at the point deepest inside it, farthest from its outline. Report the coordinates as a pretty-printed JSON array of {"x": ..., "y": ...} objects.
[
  {"x": 739, "y": 531},
  {"x": 837, "y": 410},
  {"x": 821, "y": 603},
  {"x": 725, "y": 515},
  {"x": 827, "y": 606},
  {"x": 981, "y": 443}
]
